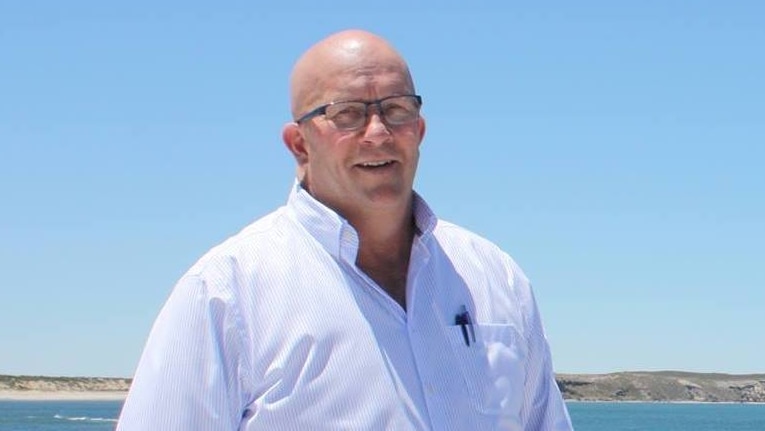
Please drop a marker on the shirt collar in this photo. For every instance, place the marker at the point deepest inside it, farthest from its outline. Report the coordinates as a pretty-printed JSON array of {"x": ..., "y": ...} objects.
[{"x": 334, "y": 233}]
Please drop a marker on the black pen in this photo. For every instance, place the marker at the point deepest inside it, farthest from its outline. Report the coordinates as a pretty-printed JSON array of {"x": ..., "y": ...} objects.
[{"x": 463, "y": 319}]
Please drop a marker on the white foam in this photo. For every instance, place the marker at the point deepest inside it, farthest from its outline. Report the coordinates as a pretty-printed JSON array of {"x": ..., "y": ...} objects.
[{"x": 84, "y": 418}]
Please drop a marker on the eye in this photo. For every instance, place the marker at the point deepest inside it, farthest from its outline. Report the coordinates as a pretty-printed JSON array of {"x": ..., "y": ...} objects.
[
  {"x": 398, "y": 110},
  {"x": 346, "y": 113},
  {"x": 395, "y": 110}
]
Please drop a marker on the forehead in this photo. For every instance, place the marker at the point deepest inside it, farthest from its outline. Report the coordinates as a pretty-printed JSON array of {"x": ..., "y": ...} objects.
[
  {"x": 365, "y": 83},
  {"x": 355, "y": 68}
]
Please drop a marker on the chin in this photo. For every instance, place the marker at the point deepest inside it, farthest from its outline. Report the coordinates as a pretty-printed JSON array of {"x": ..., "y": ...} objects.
[{"x": 389, "y": 195}]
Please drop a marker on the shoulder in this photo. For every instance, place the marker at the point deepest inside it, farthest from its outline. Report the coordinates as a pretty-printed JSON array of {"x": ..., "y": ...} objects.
[
  {"x": 465, "y": 248},
  {"x": 256, "y": 241},
  {"x": 461, "y": 241},
  {"x": 446, "y": 231}
]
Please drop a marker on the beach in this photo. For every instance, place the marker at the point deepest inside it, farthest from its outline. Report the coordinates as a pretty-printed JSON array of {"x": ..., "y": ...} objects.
[{"x": 32, "y": 395}]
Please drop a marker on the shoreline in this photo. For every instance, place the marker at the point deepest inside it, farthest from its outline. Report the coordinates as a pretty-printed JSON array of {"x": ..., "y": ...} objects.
[
  {"x": 577, "y": 401},
  {"x": 6, "y": 395}
]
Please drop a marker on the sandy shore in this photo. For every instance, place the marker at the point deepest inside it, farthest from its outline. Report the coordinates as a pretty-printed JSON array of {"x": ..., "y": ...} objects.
[{"x": 62, "y": 395}]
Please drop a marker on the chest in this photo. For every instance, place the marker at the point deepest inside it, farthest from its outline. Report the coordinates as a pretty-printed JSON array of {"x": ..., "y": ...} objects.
[{"x": 331, "y": 347}]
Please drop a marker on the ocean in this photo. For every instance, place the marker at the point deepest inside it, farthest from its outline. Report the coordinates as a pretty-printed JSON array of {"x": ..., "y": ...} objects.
[
  {"x": 102, "y": 416},
  {"x": 666, "y": 417},
  {"x": 59, "y": 415}
]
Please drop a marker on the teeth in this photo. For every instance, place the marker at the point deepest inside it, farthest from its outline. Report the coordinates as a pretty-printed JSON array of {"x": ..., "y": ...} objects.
[{"x": 375, "y": 164}]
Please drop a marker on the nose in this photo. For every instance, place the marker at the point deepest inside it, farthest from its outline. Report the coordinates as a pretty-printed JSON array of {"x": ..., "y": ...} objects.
[{"x": 376, "y": 129}]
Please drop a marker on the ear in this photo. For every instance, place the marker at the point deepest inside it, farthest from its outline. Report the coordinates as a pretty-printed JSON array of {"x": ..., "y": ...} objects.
[{"x": 295, "y": 142}]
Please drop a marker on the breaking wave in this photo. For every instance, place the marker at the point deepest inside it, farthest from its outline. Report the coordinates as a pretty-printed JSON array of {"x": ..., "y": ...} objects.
[{"x": 84, "y": 418}]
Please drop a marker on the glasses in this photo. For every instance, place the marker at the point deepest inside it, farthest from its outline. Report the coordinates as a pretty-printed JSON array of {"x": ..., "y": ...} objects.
[{"x": 353, "y": 114}]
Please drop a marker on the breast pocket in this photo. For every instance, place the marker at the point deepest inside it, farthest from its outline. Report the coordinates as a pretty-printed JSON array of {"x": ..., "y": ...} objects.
[{"x": 493, "y": 366}]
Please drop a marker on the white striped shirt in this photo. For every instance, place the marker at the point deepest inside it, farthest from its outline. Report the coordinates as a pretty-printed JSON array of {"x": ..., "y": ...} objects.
[{"x": 278, "y": 329}]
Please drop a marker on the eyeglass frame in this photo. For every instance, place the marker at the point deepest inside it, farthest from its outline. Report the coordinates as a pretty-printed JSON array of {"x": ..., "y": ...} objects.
[{"x": 322, "y": 110}]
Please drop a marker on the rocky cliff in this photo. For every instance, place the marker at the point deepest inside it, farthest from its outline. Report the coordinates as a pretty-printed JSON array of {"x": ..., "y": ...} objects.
[
  {"x": 663, "y": 386},
  {"x": 628, "y": 386},
  {"x": 63, "y": 384}
]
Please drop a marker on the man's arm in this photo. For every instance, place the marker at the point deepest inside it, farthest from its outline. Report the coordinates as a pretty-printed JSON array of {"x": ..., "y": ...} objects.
[
  {"x": 543, "y": 407},
  {"x": 188, "y": 377}
]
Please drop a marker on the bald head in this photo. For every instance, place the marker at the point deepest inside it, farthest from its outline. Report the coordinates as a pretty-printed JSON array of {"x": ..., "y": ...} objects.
[{"x": 350, "y": 54}]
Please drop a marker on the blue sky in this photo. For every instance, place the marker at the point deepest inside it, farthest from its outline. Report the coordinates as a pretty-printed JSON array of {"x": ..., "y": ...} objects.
[{"x": 615, "y": 149}]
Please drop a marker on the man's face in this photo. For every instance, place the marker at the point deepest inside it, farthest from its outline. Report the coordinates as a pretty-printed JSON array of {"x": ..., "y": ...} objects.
[{"x": 369, "y": 168}]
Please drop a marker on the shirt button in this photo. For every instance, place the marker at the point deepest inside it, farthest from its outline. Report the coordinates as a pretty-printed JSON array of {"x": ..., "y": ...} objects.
[{"x": 429, "y": 389}]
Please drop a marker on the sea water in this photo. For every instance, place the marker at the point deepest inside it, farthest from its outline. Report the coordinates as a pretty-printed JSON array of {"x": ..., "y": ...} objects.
[
  {"x": 667, "y": 417},
  {"x": 59, "y": 415},
  {"x": 102, "y": 416}
]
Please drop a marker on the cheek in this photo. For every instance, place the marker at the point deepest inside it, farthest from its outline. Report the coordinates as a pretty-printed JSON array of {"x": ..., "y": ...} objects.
[
  {"x": 415, "y": 159},
  {"x": 327, "y": 158},
  {"x": 412, "y": 144}
]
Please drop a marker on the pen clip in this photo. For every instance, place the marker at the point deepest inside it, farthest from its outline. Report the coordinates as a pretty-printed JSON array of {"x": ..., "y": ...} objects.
[{"x": 466, "y": 324}]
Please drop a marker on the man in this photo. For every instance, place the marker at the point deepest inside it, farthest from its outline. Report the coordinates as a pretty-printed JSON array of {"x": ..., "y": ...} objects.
[{"x": 352, "y": 307}]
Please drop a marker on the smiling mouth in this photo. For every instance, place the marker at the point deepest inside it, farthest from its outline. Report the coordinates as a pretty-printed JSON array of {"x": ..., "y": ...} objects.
[{"x": 377, "y": 164}]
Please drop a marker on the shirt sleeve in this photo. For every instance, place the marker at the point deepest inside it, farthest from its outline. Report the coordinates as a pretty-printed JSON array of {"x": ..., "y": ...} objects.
[
  {"x": 189, "y": 375},
  {"x": 543, "y": 408}
]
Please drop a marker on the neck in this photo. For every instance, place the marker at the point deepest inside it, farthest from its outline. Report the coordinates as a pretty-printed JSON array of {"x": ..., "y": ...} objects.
[{"x": 385, "y": 244}]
